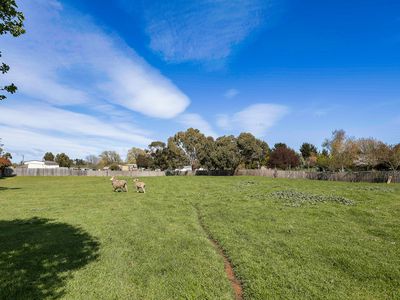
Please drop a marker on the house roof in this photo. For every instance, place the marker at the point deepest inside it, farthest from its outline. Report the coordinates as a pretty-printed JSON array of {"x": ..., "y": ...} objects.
[
  {"x": 32, "y": 161},
  {"x": 46, "y": 162}
]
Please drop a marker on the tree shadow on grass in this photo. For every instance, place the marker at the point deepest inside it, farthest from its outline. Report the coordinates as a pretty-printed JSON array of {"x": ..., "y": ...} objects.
[{"x": 37, "y": 255}]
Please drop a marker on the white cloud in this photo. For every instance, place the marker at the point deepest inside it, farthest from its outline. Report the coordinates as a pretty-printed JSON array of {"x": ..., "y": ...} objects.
[
  {"x": 201, "y": 30},
  {"x": 231, "y": 93},
  {"x": 197, "y": 121},
  {"x": 45, "y": 128},
  {"x": 256, "y": 118},
  {"x": 64, "y": 58}
]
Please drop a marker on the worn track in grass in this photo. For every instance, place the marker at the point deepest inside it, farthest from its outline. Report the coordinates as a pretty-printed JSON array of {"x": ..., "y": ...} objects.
[{"x": 230, "y": 272}]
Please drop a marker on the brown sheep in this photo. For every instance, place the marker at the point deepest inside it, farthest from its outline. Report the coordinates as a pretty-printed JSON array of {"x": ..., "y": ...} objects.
[
  {"x": 119, "y": 184},
  {"x": 140, "y": 186}
]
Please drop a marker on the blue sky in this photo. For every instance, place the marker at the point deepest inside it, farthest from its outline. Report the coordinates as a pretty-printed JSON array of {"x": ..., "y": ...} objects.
[{"x": 110, "y": 75}]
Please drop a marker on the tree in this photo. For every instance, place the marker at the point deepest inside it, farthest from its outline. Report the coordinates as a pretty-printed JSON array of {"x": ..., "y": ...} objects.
[
  {"x": 308, "y": 150},
  {"x": 283, "y": 157},
  {"x": 226, "y": 155},
  {"x": 205, "y": 153},
  {"x": 253, "y": 152},
  {"x": 4, "y": 163},
  {"x": 63, "y": 160},
  {"x": 188, "y": 145},
  {"x": 390, "y": 155},
  {"x": 342, "y": 149},
  {"x": 160, "y": 155},
  {"x": 176, "y": 157},
  {"x": 11, "y": 21},
  {"x": 5, "y": 159},
  {"x": 48, "y": 156},
  {"x": 156, "y": 146},
  {"x": 143, "y": 161},
  {"x": 369, "y": 152},
  {"x": 7, "y": 155},
  {"x": 323, "y": 161},
  {"x": 309, "y": 154},
  {"x": 92, "y": 160},
  {"x": 108, "y": 158},
  {"x": 133, "y": 154},
  {"x": 79, "y": 163}
]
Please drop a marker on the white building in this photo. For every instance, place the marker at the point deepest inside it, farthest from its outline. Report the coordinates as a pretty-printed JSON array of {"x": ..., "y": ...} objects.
[{"x": 38, "y": 164}]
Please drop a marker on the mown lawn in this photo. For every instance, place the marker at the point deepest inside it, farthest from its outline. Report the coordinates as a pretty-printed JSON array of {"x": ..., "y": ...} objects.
[{"x": 73, "y": 238}]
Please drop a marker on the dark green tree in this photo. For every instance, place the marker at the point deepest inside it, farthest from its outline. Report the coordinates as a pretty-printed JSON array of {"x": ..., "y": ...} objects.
[
  {"x": 307, "y": 150},
  {"x": 48, "y": 156},
  {"x": 205, "y": 153},
  {"x": 160, "y": 156},
  {"x": 144, "y": 161},
  {"x": 226, "y": 155},
  {"x": 11, "y": 21},
  {"x": 63, "y": 160},
  {"x": 188, "y": 145},
  {"x": 157, "y": 146},
  {"x": 253, "y": 152}
]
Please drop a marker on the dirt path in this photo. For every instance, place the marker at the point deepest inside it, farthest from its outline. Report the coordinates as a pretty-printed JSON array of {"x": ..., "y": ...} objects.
[{"x": 230, "y": 273}]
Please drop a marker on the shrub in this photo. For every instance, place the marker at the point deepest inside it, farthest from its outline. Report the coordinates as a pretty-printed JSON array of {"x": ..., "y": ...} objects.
[{"x": 115, "y": 167}]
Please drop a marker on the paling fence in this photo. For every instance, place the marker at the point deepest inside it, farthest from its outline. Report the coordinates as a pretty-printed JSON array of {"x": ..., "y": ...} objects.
[
  {"x": 73, "y": 172},
  {"x": 363, "y": 176}
]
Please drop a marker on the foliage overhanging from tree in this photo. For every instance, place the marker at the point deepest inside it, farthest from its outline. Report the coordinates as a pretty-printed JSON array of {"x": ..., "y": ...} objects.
[{"x": 11, "y": 22}]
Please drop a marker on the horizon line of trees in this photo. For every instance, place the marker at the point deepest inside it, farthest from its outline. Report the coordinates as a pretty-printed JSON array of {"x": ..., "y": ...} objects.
[{"x": 191, "y": 147}]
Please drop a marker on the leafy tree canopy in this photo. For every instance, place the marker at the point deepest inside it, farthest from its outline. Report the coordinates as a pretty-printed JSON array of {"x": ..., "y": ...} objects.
[
  {"x": 308, "y": 150},
  {"x": 63, "y": 160},
  {"x": 48, "y": 156},
  {"x": 188, "y": 144},
  {"x": 283, "y": 157},
  {"x": 11, "y": 22},
  {"x": 108, "y": 158},
  {"x": 133, "y": 154}
]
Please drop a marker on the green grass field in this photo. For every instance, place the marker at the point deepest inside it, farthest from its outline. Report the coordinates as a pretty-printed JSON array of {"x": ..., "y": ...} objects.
[{"x": 73, "y": 238}]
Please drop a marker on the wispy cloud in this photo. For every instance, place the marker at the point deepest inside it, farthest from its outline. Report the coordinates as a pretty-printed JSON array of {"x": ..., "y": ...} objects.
[
  {"x": 66, "y": 59},
  {"x": 198, "y": 122},
  {"x": 231, "y": 93},
  {"x": 256, "y": 118},
  {"x": 61, "y": 130},
  {"x": 201, "y": 30}
]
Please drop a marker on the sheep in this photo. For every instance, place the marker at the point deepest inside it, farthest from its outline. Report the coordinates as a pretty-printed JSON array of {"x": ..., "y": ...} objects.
[
  {"x": 119, "y": 184},
  {"x": 140, "y": 186}
]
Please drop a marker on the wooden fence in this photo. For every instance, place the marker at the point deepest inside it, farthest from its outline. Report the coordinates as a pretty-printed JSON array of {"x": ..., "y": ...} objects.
[
  {"x": 72, "y": 172},
  {"x": 364, "y": 176},
  {"x": 369, "y": 176}
]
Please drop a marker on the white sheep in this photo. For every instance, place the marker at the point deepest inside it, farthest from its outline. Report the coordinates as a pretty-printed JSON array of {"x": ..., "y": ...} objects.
[
  {"x": 119, "y": 184},
  {"x": 140, "y": 186}
]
